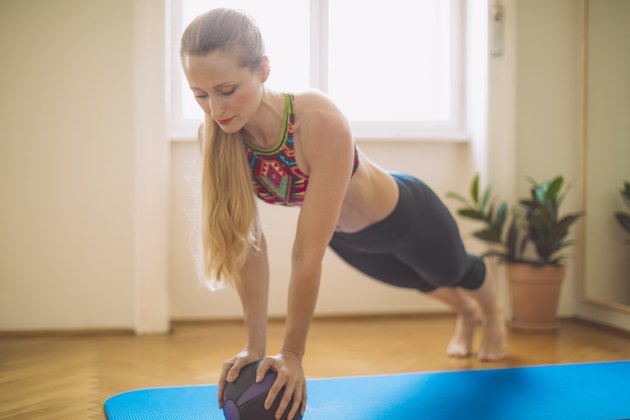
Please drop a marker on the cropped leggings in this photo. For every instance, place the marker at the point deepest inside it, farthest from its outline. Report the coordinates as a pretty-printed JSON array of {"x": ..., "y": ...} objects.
[{"x": 418, "y": 246}]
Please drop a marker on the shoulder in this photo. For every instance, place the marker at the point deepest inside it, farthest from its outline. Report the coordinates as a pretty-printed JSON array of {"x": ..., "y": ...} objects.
[
  {"x": 322, "y": 131},
  {"x": 317, "y": 115}
]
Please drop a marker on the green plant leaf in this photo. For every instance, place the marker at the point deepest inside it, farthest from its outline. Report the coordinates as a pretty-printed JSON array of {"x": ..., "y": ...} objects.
[
  {"x": 494, "y": 254},
  {"x": 484, "y": 202},
  {"x": 624, "y": 220},
  {"x": 568, "y": 220},
  {"x": 521, "y": 250},
  {"x": 510, "y": 243},
  {"x": 560, "y": 198},
  {"x": 489, "y": 235},
  {"x": 490, "y": 214},
  {"x": 540, "y": 220},
  {"x": 457, "y": 197},
  {"x": 501, "y": 215},
  {"x": 528, "y": 203},
  {"x": 474, "y": 189},
  {"x": 558, "y": 261},
  {"x": 531, "y": 181},
  {"x": 625, "y": 193},
  {"x": 554, "y": 188},
  {"x": 471, "y": 214},
  {"x": 540, "y": 194}
]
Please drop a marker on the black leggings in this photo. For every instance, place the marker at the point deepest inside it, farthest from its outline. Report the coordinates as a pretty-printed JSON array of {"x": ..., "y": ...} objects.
[{"x": 417, "y": 246}]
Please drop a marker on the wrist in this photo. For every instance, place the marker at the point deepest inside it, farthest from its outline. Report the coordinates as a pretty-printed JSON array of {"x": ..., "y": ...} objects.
[
  {"x": 256, "y": 351},
  {"x": 296, "y": 354}
]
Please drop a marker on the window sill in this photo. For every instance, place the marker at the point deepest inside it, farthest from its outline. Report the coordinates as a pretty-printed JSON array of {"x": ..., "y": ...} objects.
[
  {"x": 365, "y": 136},
  {"x": 438, "y": 138}
]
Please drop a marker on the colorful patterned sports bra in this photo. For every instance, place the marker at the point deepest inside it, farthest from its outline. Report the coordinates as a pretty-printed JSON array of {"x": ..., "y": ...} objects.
[{"x": 276, "y": 176}]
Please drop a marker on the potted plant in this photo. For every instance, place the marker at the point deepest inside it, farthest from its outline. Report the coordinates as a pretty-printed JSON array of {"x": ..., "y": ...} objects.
[
  {"x": 483, "y": 208},
  {"x": 536, "y": 281},
  {"x": 622, "y": 217}
]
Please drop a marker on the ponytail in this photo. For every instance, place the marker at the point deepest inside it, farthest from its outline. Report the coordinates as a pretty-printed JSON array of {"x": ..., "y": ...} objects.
[{"x": 228, "y": 208}]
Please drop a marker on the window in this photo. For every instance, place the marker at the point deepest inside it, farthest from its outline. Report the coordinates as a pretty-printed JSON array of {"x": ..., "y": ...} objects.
[{"x": 394, "y": 67}]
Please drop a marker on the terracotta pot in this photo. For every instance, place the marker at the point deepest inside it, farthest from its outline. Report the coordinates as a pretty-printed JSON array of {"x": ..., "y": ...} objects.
[{"x": 535, "y": 293}]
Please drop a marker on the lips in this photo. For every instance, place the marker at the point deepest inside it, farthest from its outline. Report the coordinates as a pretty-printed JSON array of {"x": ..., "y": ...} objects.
[{"x": 225, "y": 122}]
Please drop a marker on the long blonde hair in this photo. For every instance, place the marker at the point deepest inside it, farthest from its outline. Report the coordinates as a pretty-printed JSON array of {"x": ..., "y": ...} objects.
[{"x": 228, "y": 208}]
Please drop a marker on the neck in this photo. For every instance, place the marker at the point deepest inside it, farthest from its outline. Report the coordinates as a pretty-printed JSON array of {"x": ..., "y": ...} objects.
[{"x": 263, "y": 129}]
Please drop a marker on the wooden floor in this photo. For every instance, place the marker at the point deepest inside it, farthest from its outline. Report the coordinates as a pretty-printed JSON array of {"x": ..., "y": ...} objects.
[{"x": 70, "y": 377}]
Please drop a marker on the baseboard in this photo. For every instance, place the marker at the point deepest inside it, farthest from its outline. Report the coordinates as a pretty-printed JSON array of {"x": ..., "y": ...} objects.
[
  {"x": 92, "y": 332},
  {"x": 603, "y": 327},
  {"x": 332, "y": 317},
  {"x": 82, "y": 332}
]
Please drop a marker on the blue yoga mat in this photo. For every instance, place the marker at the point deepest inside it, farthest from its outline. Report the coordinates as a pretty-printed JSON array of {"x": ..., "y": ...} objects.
[{"x": 577, "y": 391}]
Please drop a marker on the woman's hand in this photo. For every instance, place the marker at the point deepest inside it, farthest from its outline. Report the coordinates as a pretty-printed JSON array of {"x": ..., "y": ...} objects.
[
  {"x": 233, "y": 366},
  {"x": 290, "y": 375}
]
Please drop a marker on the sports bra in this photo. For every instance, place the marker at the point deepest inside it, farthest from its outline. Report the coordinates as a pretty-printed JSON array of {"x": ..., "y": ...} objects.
[{"x": 275, "y": 174}]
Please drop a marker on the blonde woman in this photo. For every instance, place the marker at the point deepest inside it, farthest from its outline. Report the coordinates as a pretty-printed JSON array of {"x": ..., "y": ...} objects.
[{"x": 298, "y": 150}]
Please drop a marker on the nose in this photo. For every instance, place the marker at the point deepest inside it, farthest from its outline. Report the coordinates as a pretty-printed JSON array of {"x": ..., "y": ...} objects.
[{"x": 217, "y": 107}]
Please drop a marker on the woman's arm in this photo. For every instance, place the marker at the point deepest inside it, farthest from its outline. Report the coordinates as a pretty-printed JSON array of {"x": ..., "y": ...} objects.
[
  {"x": 327, "y": 147},
  {"x": 253, "y": 290}
]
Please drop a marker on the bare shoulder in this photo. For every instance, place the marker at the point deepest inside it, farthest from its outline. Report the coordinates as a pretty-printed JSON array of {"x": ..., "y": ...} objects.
[
  {"x": 317, "y": 115},
  {"x": 322, "y": 131}
]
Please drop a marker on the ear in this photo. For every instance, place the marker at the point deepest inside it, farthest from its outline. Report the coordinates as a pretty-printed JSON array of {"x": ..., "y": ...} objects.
[{"x": 265, "y": 69}]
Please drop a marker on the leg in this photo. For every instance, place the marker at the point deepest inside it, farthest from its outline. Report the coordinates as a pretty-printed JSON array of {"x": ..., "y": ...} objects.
[
  {"x": 440, "y": 255},
  {"x": 493, "y": 342},
  {"x": 419, "y": 246},
  {"x": 467, "y": 319},
  {"x": 388, "y": 269}
]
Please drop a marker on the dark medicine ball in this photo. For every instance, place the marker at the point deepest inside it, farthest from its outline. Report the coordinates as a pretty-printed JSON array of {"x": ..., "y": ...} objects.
[{"x": 244, "y": 399}]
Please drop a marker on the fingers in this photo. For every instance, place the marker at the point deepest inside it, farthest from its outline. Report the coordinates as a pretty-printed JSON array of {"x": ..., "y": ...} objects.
[
  {"x": 264, "y": 366},
  {"x": 229, "y": 373},
  {"x": 292, "y": 390},
  {"x": 286, "y": 398},
  {"x": 226, "y": 367},
  {"x": 304, "y": 401},
  {"x": 297, "y": 398},
  {"x": 235, "y": 369},
  {"x": 289, "y": 376}
]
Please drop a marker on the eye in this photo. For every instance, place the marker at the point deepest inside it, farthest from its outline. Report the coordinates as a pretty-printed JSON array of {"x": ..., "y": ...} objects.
[
  {"x": 201, "y": 96},
  {"x": 228, "y": 92}
]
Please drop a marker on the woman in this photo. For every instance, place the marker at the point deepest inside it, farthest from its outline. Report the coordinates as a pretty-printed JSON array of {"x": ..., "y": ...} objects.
[{"x": 299, "y": 151}]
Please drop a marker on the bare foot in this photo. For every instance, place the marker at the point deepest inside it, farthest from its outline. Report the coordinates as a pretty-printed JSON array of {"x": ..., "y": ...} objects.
[
  {"x": 493, "y": 342},
  {"x": 462, "y": 341}
]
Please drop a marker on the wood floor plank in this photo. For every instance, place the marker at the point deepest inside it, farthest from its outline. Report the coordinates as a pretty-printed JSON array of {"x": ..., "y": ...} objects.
[{"x": 71, "y": 377}]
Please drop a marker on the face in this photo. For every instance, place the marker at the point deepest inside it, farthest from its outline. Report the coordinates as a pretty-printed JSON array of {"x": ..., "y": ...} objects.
[{"x": 228, "y": 93}]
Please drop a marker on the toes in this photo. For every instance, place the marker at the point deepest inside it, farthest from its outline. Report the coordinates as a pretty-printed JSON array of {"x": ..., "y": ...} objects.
[
  {"x": 492, "y": 351},
  {"x": 457, "y": 352},
  {"x": 456, "y": 348},
  {"x": 490, "y": 357}
]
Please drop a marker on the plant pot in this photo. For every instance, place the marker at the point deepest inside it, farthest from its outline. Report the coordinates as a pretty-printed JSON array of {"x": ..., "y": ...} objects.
[{"x": 535, "y": 293}]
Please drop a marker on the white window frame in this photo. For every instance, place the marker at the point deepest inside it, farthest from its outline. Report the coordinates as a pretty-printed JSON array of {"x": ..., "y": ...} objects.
[{"x": 454, "y": 130}]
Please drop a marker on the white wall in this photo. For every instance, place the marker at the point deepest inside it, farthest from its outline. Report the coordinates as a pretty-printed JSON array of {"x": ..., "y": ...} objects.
[
  {"x": 548, "y": 124},
  {"x": 607, "y": 266},
  {"x": 446, "y": 167},
  {"x": 548, "y": 106},
  {"x": 67, "y": 166},
  {"x": 66, "y": 172},
  {"x": 608, "y": 150}
]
